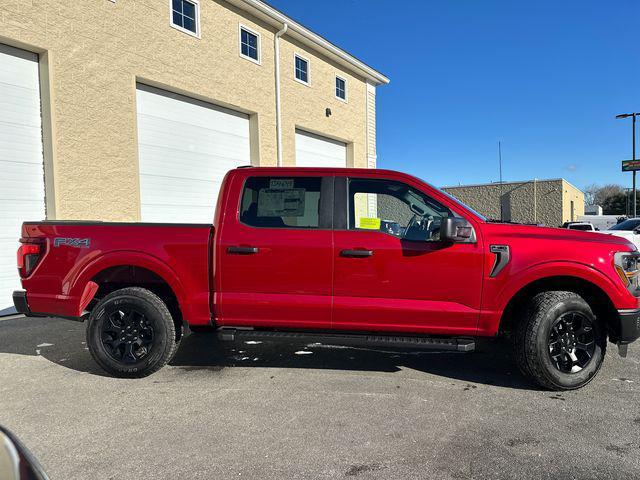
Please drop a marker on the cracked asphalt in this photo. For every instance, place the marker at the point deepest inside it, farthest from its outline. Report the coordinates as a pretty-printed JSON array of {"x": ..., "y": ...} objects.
[{"x": 293, "y": 411}]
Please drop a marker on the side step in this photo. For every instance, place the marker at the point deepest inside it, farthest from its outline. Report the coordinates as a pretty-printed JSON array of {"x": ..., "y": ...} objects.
[{"x": 461, "y": 344}]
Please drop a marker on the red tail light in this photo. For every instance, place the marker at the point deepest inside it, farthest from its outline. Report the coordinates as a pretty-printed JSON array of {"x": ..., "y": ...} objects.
[{"x": 28, "y": 256}]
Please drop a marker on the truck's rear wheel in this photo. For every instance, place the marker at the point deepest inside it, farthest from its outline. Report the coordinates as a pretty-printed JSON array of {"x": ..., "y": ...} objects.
[
  {"x": 559, "y": 344},
  {"x": 131, "y": 333}
]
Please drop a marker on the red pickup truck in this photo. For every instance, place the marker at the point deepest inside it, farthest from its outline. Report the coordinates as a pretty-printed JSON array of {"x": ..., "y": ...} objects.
[{"x": 337, "y": 255}]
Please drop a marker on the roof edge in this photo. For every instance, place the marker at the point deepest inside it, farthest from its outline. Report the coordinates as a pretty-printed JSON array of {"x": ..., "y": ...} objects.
[
  {"x": 497, "y": 184},
  {"x": 309, "y": 37}
]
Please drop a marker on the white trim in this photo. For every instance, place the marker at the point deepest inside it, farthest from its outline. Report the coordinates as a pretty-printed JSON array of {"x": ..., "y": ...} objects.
[
  {"x": 371, "y": 87},
  {"x": 196, "y": 4},
  {"x": 257, "y": 34},
  {"x": 297, "y": 55},
  {"x": 309, "y": 38},
  {"x": 276, "y": 61},
  {"x": 335, "y": 88}
]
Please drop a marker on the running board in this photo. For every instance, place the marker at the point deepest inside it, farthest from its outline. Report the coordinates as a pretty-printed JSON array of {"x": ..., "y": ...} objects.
[{"x": 461, "y": 344}]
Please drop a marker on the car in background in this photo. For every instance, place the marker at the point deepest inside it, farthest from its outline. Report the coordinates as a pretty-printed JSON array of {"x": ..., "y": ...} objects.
[
  {"x": 601, "y": 222},
  {"x": 629, "y": 229},
  {"x": 584, "y": 226}
]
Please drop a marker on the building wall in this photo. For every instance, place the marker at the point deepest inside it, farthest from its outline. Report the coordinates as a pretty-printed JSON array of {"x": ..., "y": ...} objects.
[
  {"x": 304, "y": 106},
  {"x": 571, "y": 194},
  {"x": 542, "y": 201},
  {"x": 92, "y": 53}
]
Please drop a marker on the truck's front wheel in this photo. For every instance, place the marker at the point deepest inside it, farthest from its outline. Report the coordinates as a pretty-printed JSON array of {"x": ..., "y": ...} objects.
[
  {"x": 559, "y": 344},
  {"x": 131, "y": 333}
]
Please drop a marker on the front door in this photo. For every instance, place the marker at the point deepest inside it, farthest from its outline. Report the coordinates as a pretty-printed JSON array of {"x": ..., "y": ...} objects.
[
  {"x": 274, "y": 253},
  {"x": 392, "y": 272}
]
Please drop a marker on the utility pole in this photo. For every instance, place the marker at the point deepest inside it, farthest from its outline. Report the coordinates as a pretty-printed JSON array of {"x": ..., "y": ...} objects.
[
  {"x": 633, "y": 143},
  {"x": 500, "y": 169}
]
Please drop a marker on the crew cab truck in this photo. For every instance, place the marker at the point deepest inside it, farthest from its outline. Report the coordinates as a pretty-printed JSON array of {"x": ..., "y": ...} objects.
[{"x": 343, "y": 255}]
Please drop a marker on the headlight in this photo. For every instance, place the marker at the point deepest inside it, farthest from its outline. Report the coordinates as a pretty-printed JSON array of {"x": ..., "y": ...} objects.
[{"x": 626, "y": 265}]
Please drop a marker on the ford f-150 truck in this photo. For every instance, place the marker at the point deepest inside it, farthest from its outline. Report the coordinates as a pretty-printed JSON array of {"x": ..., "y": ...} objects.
[{"x": 349, "y": 256}]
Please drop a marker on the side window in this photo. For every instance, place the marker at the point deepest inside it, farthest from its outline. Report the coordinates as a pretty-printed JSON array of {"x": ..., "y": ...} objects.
[
  {"x": 281, "y": 202},
  {"x": 394, "y": 208}
]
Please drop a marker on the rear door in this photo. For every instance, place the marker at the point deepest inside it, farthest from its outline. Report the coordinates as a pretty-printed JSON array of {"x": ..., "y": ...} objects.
[
  {"x": 274, "y": 252},
  {"x": 392, "y": 272}
]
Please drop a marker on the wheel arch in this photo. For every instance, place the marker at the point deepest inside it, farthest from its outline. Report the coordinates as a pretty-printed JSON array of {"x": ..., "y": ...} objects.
[
  {"x": 130, "y": 269},
  {"x": 593, "y": 294}
]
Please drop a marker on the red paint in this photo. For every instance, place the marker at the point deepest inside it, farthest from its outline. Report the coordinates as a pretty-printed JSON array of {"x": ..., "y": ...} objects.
[{"x": 299, "y": 280}]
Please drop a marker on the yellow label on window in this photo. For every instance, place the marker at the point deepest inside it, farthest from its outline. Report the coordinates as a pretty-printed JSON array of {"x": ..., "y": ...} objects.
[{"x": 370, "y": 223}]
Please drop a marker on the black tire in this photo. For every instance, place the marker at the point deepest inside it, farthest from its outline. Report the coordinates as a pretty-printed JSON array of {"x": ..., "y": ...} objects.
[
  {"x": 559, "y": 361},
  {"x": 148, "y": 339}
]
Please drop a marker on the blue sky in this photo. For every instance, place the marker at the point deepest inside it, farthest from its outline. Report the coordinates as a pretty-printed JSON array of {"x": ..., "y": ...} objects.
[{"x": 546, "y": 77}]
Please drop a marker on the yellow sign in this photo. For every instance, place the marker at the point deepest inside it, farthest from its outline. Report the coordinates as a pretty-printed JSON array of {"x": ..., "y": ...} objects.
[{"x": 370, "y": 223}]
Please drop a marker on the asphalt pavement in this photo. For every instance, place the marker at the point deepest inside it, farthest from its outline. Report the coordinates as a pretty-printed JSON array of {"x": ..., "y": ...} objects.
[{"x": 296, "y": 411}]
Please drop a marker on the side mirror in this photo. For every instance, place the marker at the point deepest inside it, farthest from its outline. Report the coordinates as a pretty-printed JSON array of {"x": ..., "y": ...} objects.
[
  {"x": 16, "y": 462},
  {"x": 457, "y": 230}
]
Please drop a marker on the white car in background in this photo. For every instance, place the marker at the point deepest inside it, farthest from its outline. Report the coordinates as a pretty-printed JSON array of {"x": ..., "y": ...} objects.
[
  {"x": 584, "y": 226},
  {"x": 629, "y": 229}
]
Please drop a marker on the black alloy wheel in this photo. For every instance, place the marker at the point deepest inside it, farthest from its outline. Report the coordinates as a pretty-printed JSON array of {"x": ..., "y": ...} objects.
[
  {"x": 572, "y": 342},
  {"x": 127, "y": 335}
]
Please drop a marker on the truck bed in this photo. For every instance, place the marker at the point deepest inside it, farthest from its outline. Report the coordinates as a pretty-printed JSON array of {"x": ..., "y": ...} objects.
[{"x": 74, "y": 253}]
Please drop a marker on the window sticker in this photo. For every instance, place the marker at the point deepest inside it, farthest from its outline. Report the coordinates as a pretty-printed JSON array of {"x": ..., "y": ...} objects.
[
  {"x": 281, "y": 183},
  {"x": 281, "y": 203},
  {"x": 370, "y": 223}
]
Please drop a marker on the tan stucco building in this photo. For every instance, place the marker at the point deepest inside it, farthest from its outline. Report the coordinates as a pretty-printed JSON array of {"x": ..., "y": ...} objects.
[
  {"x": 93, "y": 54},
  {"x": 133, "y": 110},
  {"x": 548, "y": 202}
]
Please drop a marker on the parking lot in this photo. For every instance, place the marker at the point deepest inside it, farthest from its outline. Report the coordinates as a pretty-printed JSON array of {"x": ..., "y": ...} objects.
[{"x": 266, "y": 410}]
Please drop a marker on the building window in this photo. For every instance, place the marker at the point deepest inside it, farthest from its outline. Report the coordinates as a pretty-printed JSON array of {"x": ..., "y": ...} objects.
[
  {"x": 249, "y": 44},
  {"x": 302, "y": 69},
  {"x": 185, "y": 16},
  {"x": 341, "y": 88}
]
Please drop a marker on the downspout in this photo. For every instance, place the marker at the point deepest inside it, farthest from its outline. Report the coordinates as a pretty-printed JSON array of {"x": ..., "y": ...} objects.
[{"x": 276, "y": 47}]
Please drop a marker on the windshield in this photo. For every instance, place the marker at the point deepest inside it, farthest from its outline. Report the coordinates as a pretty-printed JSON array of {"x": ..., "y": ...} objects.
[
  {"x": 478, "y": 214},
  {"x": 630, "y": 224}
]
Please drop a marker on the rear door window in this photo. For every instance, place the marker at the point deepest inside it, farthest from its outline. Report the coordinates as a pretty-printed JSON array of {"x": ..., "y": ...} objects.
[{"x": 281, "y": 202}]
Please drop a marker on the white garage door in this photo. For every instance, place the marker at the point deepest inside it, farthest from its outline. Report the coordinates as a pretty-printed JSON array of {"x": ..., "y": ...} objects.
[
  {"x": 316, "y": 151},
  {"x": 185, "y": 148},
  {"x": 21, "y": 163}
]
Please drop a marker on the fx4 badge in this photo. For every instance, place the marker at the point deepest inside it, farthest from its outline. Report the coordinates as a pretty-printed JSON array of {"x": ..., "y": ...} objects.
[{"x": 72, "y": 242}]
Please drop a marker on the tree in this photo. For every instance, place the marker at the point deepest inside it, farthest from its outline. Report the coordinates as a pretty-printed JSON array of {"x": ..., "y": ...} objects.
[
  {"x": 605, "y": 193},
  {"x": 611, "y": 197},
  {"x": 590, "y": 192},
  {"x": 614, "y": 204}
]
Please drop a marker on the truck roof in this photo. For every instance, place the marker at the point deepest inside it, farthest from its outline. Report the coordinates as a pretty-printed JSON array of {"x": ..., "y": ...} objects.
[{"x": 324, "y": 170}]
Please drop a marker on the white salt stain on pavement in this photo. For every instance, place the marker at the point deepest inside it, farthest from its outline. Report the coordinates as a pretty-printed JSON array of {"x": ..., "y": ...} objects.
[{"x": 625, "y": 380}]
